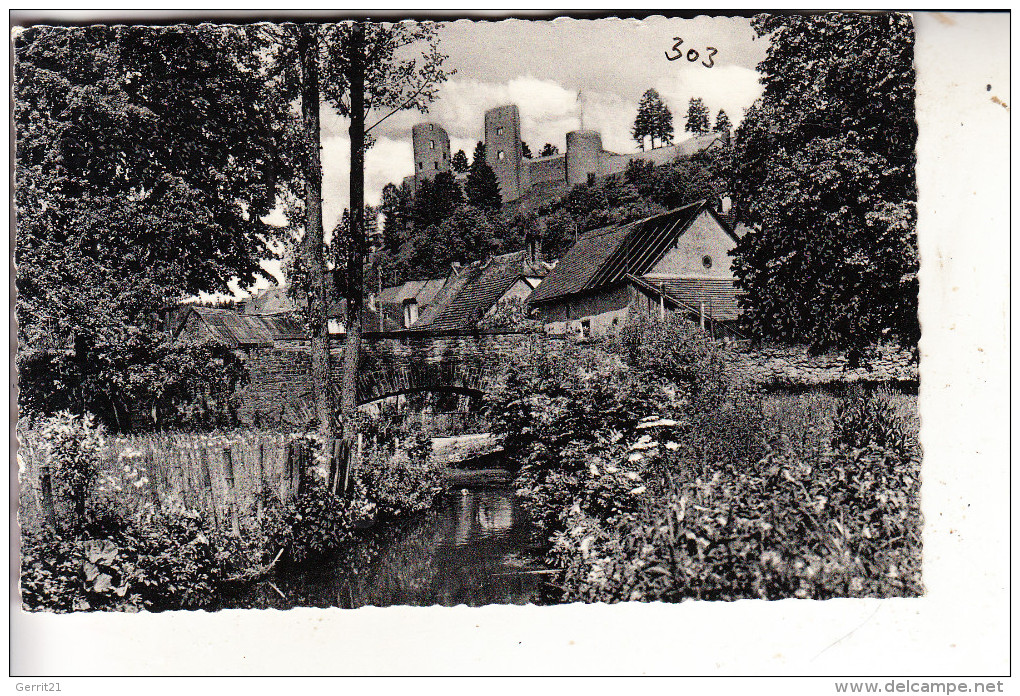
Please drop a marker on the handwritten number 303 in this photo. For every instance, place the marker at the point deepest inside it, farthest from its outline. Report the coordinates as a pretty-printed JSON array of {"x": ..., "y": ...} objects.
[{"x": 692, "y": 54}]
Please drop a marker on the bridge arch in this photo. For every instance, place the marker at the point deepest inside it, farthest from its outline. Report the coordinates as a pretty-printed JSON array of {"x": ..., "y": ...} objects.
[{"x": 279, "y": 391}]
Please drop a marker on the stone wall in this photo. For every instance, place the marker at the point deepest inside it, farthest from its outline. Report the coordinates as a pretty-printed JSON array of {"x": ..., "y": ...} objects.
[
  {"x": 280, "y": 374},
  {"x": 793, "y": 366}
]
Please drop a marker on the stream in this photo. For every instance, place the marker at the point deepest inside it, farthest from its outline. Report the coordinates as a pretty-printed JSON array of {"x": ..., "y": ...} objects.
[{"x": 474, "y": 548}]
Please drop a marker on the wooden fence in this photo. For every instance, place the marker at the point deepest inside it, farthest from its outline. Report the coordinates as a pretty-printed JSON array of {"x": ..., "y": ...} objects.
[{"x": 220, "y": 476}]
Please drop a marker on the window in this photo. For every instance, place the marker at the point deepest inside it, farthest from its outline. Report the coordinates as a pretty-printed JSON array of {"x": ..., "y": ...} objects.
[
  {"x": 500, "y": 155},
  {"x": 706, "y": 261},
  {"x": 432, "y": 144},
  {"x": 499, "y": 131},
  {"x": 421, "y": 165},
  {"x": 431, "y": 126},
  {"x": 435, "y": 165}
]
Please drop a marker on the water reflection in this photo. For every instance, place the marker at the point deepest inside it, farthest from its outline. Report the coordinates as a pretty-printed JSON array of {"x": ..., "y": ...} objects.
[{"x": 473, "y": 549}]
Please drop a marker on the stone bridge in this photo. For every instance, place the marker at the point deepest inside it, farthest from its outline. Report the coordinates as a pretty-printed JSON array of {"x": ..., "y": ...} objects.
[{"x": 279, "y": 391}]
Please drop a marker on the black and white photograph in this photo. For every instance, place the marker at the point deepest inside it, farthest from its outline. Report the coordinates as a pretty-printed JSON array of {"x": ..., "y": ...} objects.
[{"x": 396, "y": 311}]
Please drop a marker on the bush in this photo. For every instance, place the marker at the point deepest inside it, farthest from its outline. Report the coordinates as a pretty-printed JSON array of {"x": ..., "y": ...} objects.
[
  {"x": 561, "y": 417},
  {"x": 74, "y": 445},
  {"x": 398, "y": 484},
  {"x": 313, "y": 524},
  {"x": 676, "y": 350},
  {"x": 161, "y": 562},
  {"x": 844, "y": 522}
]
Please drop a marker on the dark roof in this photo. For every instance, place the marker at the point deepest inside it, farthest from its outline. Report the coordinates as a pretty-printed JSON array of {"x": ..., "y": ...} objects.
[
  {"x": 719, "y": 295},
  {"x": 422, "y": 291},
  {"x": 272, "y": 300},
  {"x": 605, "y": 256},
  {"x": 230, "y": 328},
  {"x": 574, "y": 271},
  {"x": 472, "y": 292}
]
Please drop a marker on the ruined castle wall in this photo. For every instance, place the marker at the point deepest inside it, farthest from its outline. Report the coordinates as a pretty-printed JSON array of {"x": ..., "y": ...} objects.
[{"x": 546, "y": 170}]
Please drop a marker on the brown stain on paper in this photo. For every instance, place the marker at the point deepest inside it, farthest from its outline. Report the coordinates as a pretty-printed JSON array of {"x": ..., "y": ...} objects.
[{"x": 1001, "y": 103}]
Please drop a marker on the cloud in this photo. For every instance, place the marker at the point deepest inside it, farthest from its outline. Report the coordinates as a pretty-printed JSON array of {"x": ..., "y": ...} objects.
[{"x": 729, "y": 87}]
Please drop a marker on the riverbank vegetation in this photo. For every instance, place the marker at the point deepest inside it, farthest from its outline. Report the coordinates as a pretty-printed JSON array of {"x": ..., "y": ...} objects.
[
  {"x": 653, "y": 475},
  {"x": 119, "y": 524}
]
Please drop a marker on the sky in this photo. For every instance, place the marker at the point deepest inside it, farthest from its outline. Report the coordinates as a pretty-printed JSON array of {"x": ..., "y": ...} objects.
[{"x": 556, "y": 72}]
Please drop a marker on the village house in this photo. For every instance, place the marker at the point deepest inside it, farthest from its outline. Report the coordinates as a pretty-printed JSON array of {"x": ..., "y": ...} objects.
[
  {"x": 399, "y": 307},
  {"x": 231, "y": 328},
  {"x": 476, "y": 290},
  {"x": 678, "y": 261}
]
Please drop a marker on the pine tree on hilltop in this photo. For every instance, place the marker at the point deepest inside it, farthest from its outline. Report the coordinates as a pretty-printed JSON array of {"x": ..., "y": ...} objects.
[
  {"x": 482, "y": 187},
  {"x": 663, "y": 124},
  {"x": 722, "y": 122},
  {"x": 460, "y": 162},
  {"x": 697, "y": 116},
  {"x": 479, "y": 154},
  {"x": 649, "y": 120}
]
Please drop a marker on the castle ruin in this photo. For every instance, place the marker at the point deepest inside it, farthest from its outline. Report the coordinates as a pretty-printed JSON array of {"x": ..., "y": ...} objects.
[{"x": 530, "y": 183}]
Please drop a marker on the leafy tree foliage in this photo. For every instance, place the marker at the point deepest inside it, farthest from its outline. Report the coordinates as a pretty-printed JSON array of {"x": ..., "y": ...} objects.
[
  {"x": 824, "y": 173},
  {"x": 525, "y": 150},
  {"x": 460, "y": 162},
  {"x": 146, "y": 159},
  {"x": 482, "y": 185},
  {"x": 549, "y": 149},
  {"x": 697, "y": 116},
  {"x": 397, "y": 209},
  {"x": 469, "y": 234},
  {"x": 436, "y": 200},
  {"x": 722, "y": 122},
  {"x": 368, "y": 67}
]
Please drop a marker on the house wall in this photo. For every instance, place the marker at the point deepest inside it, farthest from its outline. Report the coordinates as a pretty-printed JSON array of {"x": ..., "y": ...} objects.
[
  {"x": 705, "y": 237},
  {"x": 519, "y": 290},
  {"x": 611, "y": 299}
]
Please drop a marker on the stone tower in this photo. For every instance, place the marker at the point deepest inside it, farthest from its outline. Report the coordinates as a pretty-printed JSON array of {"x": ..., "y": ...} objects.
[
  {"x": 503, "y": 149},
  {"x": 431, "y": 151},
  {"x": 584, "y": 156}
]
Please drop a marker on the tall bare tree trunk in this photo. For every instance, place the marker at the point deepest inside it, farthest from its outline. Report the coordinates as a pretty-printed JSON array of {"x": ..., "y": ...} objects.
[
  {"x": 352, "y": 342},
  {"x": 318, "y": 300}
]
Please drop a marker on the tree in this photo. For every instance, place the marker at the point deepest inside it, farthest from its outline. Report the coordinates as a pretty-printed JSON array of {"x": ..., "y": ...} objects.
[
  {"x": 469, "y": 234},
  {"x": 697, "y": 116},
  {"x": 824, "y": 174},
  {"x": 371, "y": 66},
  {"x": 313, "y": 247},
  {"x": 460, "y": 162},
  {"x": 146, "y": 161},
  {"x": 482, "y": 186},
  {"x": 436, "y": 200},
  {"x": 722, "y": 122},
  {"x": 525, "y": 150},
  {"x": 397, "y": 209},
  {"x": 549, "y": 149},
  {"x": 662, "y": 123},
  {"x": 649, "y": 121}
]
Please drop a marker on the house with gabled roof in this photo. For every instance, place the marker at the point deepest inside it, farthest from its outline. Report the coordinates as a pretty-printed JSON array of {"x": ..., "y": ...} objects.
[
  {"x": 401, "y": 305},
  {"x": 475, "y": 290},
  {"x": 230, "y": 328},
  {"x": 678, "y": 261}
]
